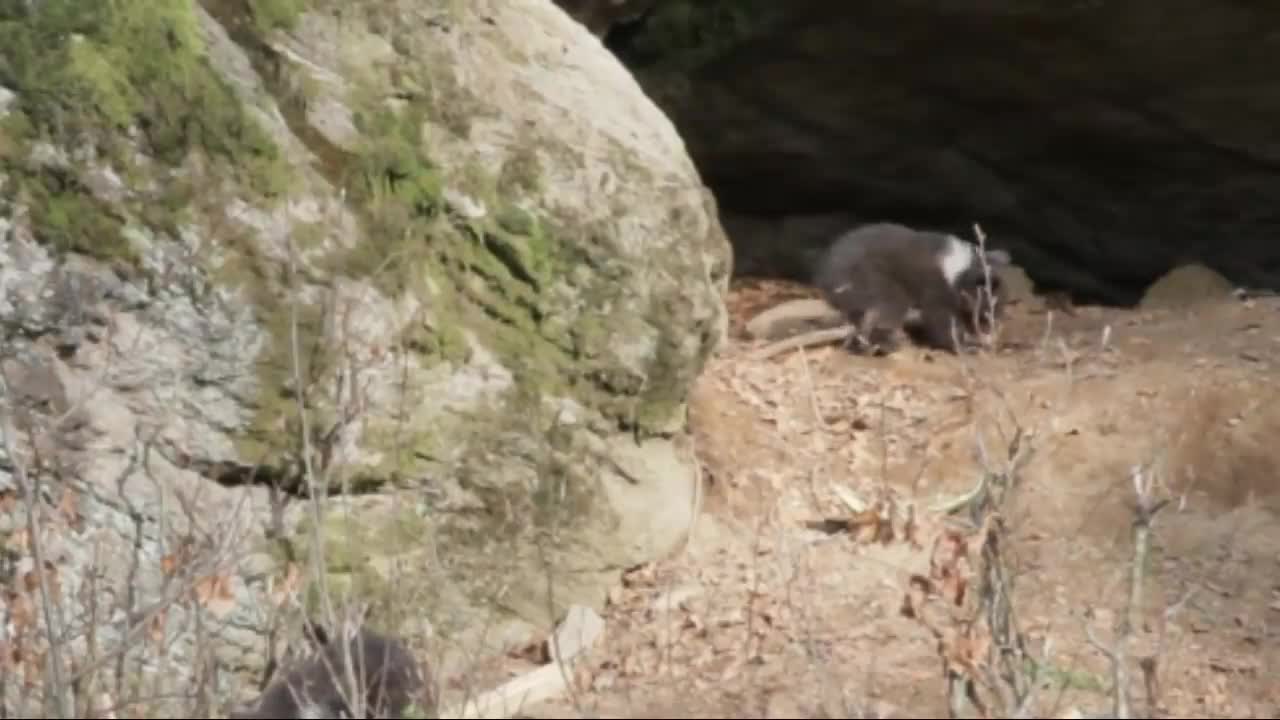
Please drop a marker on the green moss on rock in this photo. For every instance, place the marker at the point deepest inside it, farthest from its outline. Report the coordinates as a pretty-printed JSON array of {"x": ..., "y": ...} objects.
[
  {"x": 276, "y": 14},
  {"x": 396, "y": 188},
  {"x": 65, "y": 215},
  {"x": 107, "y": 79},
  {"x": 366, "y": 551},
  {"x": 521, "y": 172}
]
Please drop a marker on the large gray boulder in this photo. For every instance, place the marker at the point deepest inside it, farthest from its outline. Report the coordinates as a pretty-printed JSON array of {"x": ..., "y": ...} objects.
[{"x": 443, "y": 261}]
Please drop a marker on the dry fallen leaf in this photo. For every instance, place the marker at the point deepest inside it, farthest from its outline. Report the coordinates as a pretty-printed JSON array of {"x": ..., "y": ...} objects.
[
  {"x": 32, "y": 668},
  {"x": 69, "y": 509},
  {"x": 949, "y": 566},
  {"x": 156, "y": 627},
  {"x": 287, "y": 586},
  {"x": 919, "y": 588},
  {"x": 645, "y": 575},
  {"x": 871, "y": 525},
  {"x": 170, "y": 563},
  {"x": 52, "y": 578},
  {"x": 911, "y": 529},
  {"x": 968, "y": 650},
  {"x": 954, "y": 588},
  {"x": 8, "y": 501},
  {"x": 19, "y": 541},
  {"x": 213, "y": 592},
  {"x": 22, "y": 611}
]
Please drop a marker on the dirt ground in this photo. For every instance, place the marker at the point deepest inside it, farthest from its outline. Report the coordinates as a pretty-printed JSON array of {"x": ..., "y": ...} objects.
[{"x": 783, "y": 605}]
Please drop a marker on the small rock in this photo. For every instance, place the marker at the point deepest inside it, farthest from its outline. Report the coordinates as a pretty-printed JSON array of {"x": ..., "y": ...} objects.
[
  {"x": 1186, "y": 286},
  {"x": 579, "y": 631}
]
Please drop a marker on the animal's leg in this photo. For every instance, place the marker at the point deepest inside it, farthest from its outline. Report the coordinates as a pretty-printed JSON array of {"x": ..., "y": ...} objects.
[
  {"x": 979, "y": 308},
  {"x": 860, "y": 339},
  {"x": 890, "y": 315},
  {"x": 941, "y": 331},
  {"x": 882, "y": 341}
]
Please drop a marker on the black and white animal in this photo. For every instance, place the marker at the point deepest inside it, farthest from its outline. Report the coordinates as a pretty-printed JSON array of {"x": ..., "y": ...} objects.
[
  {"x": 884, "y": 277},
  {"x": 387, "y": 676}
]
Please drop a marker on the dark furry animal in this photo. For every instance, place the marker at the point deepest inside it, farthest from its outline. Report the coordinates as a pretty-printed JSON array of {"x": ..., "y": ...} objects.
[
  {"x": 886, "y": 276},
  {"x": 387, "y": 677}
]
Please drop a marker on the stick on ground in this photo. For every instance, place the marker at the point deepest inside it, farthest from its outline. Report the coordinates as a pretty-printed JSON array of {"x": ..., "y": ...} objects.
[{"x": 804, "y": 340}]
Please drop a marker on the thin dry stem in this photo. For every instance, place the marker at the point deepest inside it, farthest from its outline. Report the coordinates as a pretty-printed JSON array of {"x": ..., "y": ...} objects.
[
  {"x": 1118, "y": 653},
  {"x": 63, "y": 705},
  {"x": 813, "y": 338}
]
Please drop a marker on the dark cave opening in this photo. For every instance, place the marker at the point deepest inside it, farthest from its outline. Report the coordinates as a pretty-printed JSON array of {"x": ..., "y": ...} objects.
[{"x": 1100, "y": 151}]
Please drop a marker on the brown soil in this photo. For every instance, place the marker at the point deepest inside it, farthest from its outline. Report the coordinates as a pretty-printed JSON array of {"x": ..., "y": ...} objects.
[{"x": 771, "y": 613}]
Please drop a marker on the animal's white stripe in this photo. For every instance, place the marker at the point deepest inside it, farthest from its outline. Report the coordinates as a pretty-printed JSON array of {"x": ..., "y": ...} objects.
[{"x": 956, "y": 257}]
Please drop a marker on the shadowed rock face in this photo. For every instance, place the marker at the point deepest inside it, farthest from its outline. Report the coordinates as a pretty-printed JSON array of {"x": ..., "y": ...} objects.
[
  {"x": 1102, "y": 143},
  {"x": 602, "y": 15}
]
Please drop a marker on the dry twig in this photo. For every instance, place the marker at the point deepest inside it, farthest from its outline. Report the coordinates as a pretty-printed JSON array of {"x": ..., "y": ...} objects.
[
  {"x": 1145, "y": 508},
  {"x": 812, "y": 338}
]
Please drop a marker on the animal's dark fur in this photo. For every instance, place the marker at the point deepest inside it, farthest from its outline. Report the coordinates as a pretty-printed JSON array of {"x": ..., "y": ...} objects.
[
  {"x": 388, "y": 677},
  {"x": 886, "y": 276}
]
